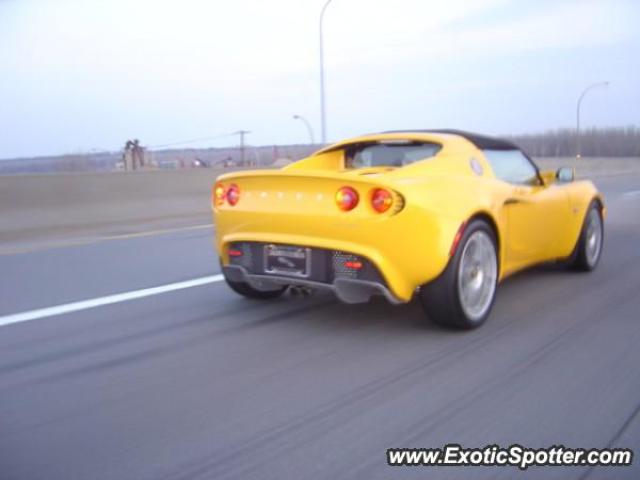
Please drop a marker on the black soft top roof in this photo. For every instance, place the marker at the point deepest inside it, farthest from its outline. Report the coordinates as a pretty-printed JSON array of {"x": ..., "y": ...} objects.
[{"x": 480, "y": 141}]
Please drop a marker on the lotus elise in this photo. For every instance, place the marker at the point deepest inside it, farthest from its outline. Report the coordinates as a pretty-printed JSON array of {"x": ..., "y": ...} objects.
[{"x": 443, "y": 215}]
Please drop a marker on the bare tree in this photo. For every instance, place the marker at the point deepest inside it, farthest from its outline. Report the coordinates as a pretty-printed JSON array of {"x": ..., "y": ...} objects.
[{"x": 596, "y": 142}]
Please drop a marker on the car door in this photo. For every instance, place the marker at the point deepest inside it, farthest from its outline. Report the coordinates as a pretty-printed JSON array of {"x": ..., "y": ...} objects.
[{"x": 535, "y": 213}]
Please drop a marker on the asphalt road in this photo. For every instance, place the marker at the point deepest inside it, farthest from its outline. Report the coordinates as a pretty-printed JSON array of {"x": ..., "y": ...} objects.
[{"x": 202, "y": 384}]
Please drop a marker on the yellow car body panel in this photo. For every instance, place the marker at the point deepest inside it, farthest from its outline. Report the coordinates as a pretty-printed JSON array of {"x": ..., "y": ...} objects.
[{"x": 410, "y": 244}]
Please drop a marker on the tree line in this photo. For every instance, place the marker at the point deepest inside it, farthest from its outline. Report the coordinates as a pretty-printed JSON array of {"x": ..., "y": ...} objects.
[{"x": 594, "y": 142}]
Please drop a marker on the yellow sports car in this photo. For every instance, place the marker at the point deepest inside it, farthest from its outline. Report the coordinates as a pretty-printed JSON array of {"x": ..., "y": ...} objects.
[{"x": 441, "y": 214}]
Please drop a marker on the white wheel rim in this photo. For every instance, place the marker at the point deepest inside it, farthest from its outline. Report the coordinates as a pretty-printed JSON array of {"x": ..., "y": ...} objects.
[
  {"x": 477, "y": 274},
  {"x": 593, "y": 239}
]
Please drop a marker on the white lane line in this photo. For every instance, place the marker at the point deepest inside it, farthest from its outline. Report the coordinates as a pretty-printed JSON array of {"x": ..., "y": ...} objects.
[
  {"x": 631, "y": 193},
  {"x": 108, "y": 300},
  {"x": 53, "y": 244}
]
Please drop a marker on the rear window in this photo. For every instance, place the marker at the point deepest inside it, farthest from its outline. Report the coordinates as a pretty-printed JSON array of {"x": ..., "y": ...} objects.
[{"x": 388, "y": 153}]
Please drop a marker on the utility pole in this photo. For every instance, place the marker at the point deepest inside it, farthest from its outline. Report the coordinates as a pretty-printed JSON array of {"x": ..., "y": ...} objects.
[
  {"x": 242, "y": 133},
  {"x": 323, "y": 118}
]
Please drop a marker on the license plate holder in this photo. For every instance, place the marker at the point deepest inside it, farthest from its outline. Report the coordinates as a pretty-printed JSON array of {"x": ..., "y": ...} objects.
[{"x": 287, "y": 260}]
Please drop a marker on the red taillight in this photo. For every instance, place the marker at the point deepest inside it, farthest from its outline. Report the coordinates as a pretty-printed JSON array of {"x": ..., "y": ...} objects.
[
  {"x": 347, "y": 199},
  {"x": 353, "y": 265},
  {"x": 218, "y": 194},
  {"x": 381, "y": 200},
  {"x": 233, "y": 194},
  {"x": 235, "y": 253}
]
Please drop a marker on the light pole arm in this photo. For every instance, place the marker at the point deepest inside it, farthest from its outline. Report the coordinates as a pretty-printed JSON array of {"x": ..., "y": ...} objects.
[
  {"x": 324, "y": 8},
  {"x": 308, "y": 125},
  {"x": 580, "y": 98}
]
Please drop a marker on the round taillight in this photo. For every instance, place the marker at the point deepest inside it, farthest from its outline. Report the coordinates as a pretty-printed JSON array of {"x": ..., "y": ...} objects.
[
  {"x": 233, "y": 194},
  {"x": 381, "y": 200},
  {"x": 219, "y": 194},
  {"x": 347, "y": 199}
]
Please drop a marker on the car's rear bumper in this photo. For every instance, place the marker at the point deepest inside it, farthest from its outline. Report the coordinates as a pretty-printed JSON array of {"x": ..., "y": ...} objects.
[
  {"x": 354, "y": 278},
  {"x": 408, "y": 249},
  {"x": 346, "y": 289}
]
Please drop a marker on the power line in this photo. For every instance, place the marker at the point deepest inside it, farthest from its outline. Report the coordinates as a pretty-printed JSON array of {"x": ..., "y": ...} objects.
[{"x": 195, "y": 140}]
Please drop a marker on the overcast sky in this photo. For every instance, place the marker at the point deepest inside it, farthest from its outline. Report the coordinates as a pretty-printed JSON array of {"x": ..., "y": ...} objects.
[{"x": 79, "y": 75}]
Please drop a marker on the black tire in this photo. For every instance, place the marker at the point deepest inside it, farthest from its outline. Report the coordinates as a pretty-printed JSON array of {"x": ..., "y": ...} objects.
[
  {"x": 441, "y": 298},
  {"x": 248, "y": 291},
  {"x": 584, "y": 259}
]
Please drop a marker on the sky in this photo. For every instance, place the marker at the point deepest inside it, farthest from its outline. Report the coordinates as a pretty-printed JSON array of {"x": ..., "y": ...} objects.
[{"x": 86, "y": 75}]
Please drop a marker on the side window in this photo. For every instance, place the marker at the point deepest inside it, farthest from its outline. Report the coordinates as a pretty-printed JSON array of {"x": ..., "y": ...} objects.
[{"x": 512, "y": 166}]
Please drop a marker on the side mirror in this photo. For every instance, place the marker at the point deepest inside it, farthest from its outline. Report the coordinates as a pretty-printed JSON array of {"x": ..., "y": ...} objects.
[{"x": 565, "y": 175}]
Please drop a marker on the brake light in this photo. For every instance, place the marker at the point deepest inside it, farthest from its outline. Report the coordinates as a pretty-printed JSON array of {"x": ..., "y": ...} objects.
[
  {"x": 381, "y": 200},
  {"x": 218, "y": 194},
  {"x": 347, "y": 199},
  {"x": 233, "y": 194},
  {"x": 235, "y": 253},
  {"x": 353, "y": 265}
]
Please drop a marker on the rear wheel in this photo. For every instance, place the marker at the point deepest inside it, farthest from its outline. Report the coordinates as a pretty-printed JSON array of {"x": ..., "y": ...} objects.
[
  {"x": 246, "y": 290},
  {"x": 589, "y": 247},
  {"x": 462, "y": 296}
]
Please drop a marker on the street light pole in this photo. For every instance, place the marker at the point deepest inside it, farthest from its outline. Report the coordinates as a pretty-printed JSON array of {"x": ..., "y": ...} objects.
[
  {"x": 308, "y": 125},
  {"x": 582, "y": 95},
  {"x": 323, "y": 119}
]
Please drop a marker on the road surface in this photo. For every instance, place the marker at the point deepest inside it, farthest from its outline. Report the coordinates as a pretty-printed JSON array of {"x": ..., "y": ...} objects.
[{"x": 198, "y": 383}]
